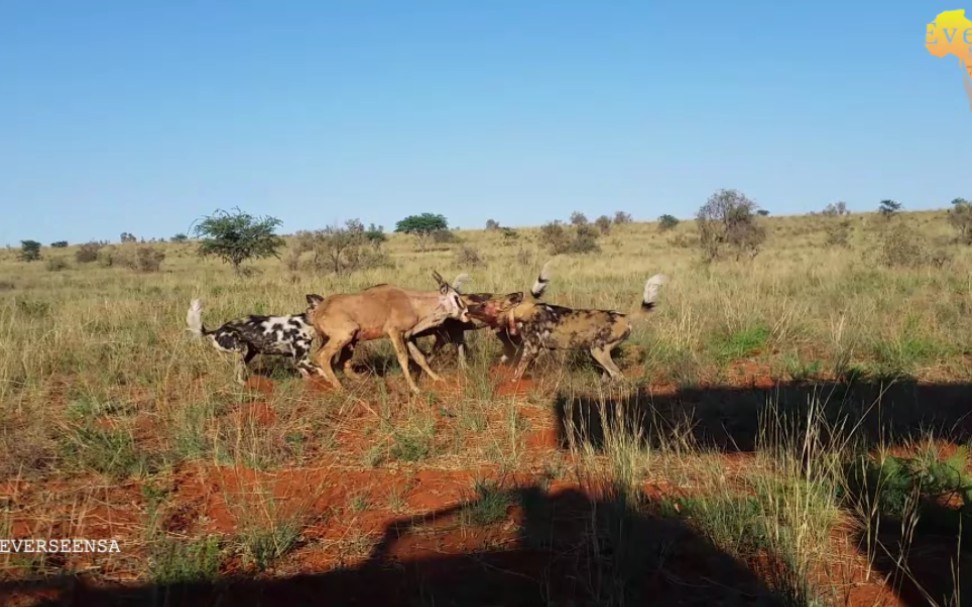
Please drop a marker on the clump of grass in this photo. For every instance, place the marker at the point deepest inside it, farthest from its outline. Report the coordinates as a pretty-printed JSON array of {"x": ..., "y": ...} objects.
[
  {"x": 177, "y": 561},
  {"x": 413, "y": 443},
  {"x": 742, "y": 343},
  {"x": 489, "y": 506},
  {"x": 109, "y": 451}
]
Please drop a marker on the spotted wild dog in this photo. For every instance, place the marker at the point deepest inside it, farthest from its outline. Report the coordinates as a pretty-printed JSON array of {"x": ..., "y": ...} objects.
[
  {"x": 485, "y": 310},
  {"x": 344, "y": 319},
  {"x": 545, "y": 326},
  {"x": 274, "y": 335}
]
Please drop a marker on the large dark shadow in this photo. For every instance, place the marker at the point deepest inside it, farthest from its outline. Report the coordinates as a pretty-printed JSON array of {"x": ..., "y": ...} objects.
[
  {"x": 569, "y": 550},
  {"x": 919, "y": 565},
  {"x": 728, "y": 418}
]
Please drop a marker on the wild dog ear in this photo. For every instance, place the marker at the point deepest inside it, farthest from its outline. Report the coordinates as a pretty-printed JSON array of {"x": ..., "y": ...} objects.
[
  {"x": 516, "y": 297},
  {"x": 313, "y": 299}
]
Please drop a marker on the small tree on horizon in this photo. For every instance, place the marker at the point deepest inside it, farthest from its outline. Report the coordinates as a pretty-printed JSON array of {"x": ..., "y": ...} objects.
[
  {"x": 622, "y": 218},
  {"x": 59, "y": 244},
  {"x": 667, "y": 222},
  {"x": 238, "y": 237},
  {"x": 603, "y": 223},
  {"x": 889, "y": 208},
  {"x": 578, "y": 219},
  {"x": 180, "y": 237},
  {"x": 960, "y": 218},
  {"x": 728, "y": 220},
  {"x": 422, "y": 226},
  {"x": 30, "y": 250}
]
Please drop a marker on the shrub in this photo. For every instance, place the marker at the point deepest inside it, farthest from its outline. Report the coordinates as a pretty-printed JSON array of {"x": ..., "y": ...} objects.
[
  {"x": 603, "y": 223},
  {"x": 59, "y": 244},
  {"x": 140, "y": 258},
  {"x": 836, "y": 209},
  {"x": 903, "y": 247},
  {"x": 492, "y": 224},
  {"x": 88, "y": 252},
  {"x": 621, "y": 218},
  {"x": 106, "y": 256},
  {"x": 467, "y": 256},
  {"x": 838, "y": 233},
  {"x": 667, "y": 222},
  {"x": 578, "y": 219},
  {"x": 509, "y": 234},
  {"x": 960, "y": 218},
  {"x": 180, "y": 237},
  {"x": 341, "y": 250},
  {"x": 375, "y": 235},
  {"x": 558, "y": 238},
  {"x": 56, "y": 264},
  {"x": 728, "y": 221},
  {"x": 30, "y": 250},
  {"x": 585, "y": 240},
  {"x": 443, "y": 237},
  {"x": 554, "y": 236}
]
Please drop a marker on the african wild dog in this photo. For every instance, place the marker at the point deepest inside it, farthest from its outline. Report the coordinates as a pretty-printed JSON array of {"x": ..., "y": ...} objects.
[
  {"x": 485, "y": 310},
  {"x": 343, "y": 320},
  {"x": 274, "y": 335},
  {"x": 548, "y": 327}
]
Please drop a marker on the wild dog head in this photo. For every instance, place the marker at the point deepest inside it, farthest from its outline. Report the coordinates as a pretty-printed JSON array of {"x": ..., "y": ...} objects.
[{"x": 491, "y": 309}]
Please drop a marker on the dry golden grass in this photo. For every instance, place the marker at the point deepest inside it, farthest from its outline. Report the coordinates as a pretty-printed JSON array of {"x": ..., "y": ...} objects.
[{"x": 101, "y": 389}]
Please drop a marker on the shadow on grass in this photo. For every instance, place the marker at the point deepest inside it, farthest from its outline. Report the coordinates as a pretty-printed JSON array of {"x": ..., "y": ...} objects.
[
  {"x": 921, "y": 566},
  {"x": 568, "y": 550},
  {"x": 727, "y": 418}
]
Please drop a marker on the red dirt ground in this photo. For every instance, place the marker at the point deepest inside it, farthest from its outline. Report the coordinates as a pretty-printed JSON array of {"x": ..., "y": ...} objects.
[{"x": 377, "y": 536}]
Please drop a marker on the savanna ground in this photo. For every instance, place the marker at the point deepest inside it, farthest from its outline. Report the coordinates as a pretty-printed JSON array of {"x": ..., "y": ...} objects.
[{"x": 793, "y": 431}]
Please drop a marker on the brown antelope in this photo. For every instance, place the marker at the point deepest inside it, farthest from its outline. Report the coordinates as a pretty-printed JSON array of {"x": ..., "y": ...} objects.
[{"x": 383, "y": 310}]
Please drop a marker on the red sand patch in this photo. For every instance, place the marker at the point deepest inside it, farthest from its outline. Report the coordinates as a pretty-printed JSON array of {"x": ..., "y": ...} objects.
[{"x": 399, "y": 517}]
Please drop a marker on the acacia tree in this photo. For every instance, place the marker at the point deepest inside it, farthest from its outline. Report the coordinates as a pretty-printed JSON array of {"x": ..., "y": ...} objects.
[
  {"x": 728, "y": 220},
  {"x": 238, "y": 237},
  {"x": 30, "y": 250},
  {"x": 889, "y": 208},
  {"x": 423, "y": 226},
  {"x": 960, "y": 218}
]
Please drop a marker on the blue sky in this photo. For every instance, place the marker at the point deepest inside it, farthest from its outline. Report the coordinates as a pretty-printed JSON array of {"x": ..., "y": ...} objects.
[{"x": 143, "y": 116}]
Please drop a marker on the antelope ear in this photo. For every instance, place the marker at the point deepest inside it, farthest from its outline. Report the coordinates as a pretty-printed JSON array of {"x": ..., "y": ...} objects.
[
  {"x": 313, "y": 299},
  {"x": 443, "y": 287}
]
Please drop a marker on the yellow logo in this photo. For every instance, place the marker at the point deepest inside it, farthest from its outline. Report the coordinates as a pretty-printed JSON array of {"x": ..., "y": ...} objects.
[{"x": 951, "y": 34}]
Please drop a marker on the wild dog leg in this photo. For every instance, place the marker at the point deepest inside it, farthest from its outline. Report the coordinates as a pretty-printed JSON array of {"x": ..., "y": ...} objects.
[
  {"x": 530, "y": 351},
  {"x": 602, "y": 354}
]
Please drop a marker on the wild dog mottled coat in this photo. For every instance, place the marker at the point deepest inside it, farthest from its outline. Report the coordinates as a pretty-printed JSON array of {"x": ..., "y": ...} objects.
[
  {"x": 545, "y": 326},
  {"x": 272, "y": 335}
]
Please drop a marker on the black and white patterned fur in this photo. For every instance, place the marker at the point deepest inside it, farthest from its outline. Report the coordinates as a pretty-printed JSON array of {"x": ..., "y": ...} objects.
[{"x": 274, "y": 335}]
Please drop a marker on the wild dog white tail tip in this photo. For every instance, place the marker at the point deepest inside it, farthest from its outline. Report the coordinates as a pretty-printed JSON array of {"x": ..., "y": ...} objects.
[
  {"x": 194, "y": 318},
  {"x": 543, "y": 280},
  {"x": 652, "y": 286},
  {"x": 460, "y": 280}
]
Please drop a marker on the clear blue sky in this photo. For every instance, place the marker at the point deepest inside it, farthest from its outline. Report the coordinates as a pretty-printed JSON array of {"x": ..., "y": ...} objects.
[{"x": 143, "y": 116}]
